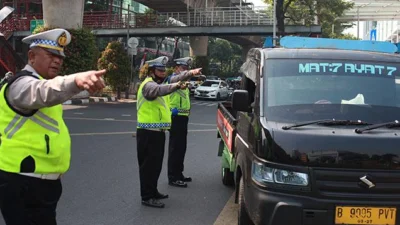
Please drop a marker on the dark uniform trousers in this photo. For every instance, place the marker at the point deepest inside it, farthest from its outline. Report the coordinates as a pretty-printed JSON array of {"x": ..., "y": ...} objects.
[
  {"x": 28, "y": 200},
  {"x": 150, "y": 154},
  {"x": 177, "y": 147}
]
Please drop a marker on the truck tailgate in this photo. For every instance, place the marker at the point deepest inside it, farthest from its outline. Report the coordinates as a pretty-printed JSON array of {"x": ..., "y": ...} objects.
[{"x": 226, "y": 124}]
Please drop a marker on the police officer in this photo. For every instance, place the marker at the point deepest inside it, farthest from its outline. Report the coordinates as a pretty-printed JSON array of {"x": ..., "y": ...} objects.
[
  {"x": 180, "y": 110},
  {"x": 154, "y": 118},
  {"x": 35, "y": 147}
]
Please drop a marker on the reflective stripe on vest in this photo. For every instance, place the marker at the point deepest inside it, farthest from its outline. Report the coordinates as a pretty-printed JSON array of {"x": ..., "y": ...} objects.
[
  {"x": 180, "y": 100},
  {"x": 36, "y": 144},
  {"x": 152, "y": 114}
]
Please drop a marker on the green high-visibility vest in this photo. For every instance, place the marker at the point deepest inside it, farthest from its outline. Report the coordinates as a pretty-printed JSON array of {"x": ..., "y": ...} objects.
[
  {"x": 33, "y": 144},
  {"x": 153, "y": 114},
  {"x": 180, "y": 100}
]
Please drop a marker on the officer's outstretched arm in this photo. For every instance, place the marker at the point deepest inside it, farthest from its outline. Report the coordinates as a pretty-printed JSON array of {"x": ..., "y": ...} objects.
[
  {"x": 152, "y": 90},
  {"x": 28, "y": 93},
  {"x": 185, "y": 75}
]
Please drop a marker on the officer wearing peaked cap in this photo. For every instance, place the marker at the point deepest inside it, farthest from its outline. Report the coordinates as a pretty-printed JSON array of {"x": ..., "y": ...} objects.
[
  {"x": 35, "y": 147},
  {"x": 154, "y": 118},
  {"x": 180, "y": 110}
]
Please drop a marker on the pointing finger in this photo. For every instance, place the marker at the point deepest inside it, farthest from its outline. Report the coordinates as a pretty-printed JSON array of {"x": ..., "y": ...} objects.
[{"x": 100, "y": 73}]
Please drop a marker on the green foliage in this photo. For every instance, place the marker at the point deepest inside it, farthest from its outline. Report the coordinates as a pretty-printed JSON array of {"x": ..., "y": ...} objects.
[
  {"x": 344, "y": 36},
  {"x": 201, "y": 62},
  {"x": 301, "y": 12},
  {"x": 115, "y": 60},
  {"x": 149, "y": 11},
  {"x": 81, "y": 53},
  {"x": 225, "y": 54}
]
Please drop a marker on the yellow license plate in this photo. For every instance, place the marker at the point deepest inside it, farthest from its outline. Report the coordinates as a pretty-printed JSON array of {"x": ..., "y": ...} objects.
[{"x": 365, "y": 215}]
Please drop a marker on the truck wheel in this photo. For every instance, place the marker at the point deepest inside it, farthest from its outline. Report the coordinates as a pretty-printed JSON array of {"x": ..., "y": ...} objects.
[
  {"x": 227, "y": 177},
  {"x": 243, "y": 216}
]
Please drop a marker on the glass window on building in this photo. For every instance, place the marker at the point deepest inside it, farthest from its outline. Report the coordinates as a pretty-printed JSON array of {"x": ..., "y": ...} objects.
[
  {"x": 96, "y": 5},
  {"x": 35, "y": 7}
]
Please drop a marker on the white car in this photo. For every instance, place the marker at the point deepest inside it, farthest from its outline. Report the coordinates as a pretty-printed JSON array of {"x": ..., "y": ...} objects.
[
  {"x": 212, "y": 89},
  {"x": 195, "y": 81}
]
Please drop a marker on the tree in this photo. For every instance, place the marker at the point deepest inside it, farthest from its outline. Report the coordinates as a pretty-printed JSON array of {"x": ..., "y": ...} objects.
[
  {"x": 225, "y": 54},
  {"x": 201, "y": 62},
  {"x": 304, "y": 12},
  {"x": 115, "y": 60},
  {"x": 344, "y": 36},
  {"x": 221, "y": 52},
  {"x": 81, "y": 54}
]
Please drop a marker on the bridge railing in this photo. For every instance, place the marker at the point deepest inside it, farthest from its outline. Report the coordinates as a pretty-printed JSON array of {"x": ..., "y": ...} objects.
[
  {"x": 201, "y": 17},
  {"x": 222, "y": 16}
]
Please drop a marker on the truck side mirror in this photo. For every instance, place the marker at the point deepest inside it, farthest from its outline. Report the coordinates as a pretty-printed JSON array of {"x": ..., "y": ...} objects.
[{"x": 240, "y": 100}]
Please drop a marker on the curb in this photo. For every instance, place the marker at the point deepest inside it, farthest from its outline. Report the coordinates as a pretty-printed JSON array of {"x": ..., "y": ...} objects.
[{"x": 90, "y": 100}]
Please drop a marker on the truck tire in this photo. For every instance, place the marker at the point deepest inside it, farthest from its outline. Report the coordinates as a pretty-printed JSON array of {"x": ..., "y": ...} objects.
[
  {"x": 243, "y": 216},
  {"x": 227, "y": 177}
]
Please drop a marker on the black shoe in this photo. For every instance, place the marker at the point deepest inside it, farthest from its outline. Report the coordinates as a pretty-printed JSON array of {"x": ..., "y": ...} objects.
[
  {"x": 153, "y": 203},
  {"x": 161, "y": 196},
  {"x": 187, "y": 179},
  {"x": 178, "y": 183}
]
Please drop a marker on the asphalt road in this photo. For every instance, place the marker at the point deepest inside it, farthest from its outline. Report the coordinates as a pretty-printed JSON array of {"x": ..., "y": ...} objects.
[{"x": 102, "y": 186}]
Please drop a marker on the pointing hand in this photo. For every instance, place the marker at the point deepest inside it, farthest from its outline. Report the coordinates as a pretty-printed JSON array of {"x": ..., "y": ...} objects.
[{"x": 91, "y": 81}]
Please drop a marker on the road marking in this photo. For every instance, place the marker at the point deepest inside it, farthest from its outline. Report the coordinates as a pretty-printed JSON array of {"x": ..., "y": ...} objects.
[
  {"x": 97, "y": 119},
  {"x": 126, "y": 115},
  {"x": 203, "y": 124},
  {"x": 204, "y": 103},
  {"x": 130, "y": 121},
  {"x": 78, "y": 113},
  {"x": 70, "y": 107},
  {"x": 228, "y": 214},
  {"x": 130, "y": 132},
  {"x": 211, "y": 104},
  {"x": 195, "y": 103}
]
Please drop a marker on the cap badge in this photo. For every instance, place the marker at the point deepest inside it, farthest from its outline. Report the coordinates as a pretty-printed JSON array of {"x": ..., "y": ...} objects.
[{"x": 62, "y": 40}]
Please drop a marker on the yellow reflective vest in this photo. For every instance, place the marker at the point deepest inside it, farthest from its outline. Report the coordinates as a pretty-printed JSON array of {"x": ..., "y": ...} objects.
[
  {"x": 153, "y": 114},
  {"x": 180, "y": 100},
  {"x": 39, "y": 143}
]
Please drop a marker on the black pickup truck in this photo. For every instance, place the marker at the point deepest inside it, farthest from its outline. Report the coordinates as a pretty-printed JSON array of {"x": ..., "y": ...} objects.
[{"x": 313, "y": 137}]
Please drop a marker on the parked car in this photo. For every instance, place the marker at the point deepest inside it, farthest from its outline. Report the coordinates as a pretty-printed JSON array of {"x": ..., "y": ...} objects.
[{"x": 212, "y": 89}]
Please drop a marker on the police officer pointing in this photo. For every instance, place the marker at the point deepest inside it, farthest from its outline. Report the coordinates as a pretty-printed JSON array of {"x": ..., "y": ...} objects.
[
  {"x": 35, "y": 147},
  {"x": 154, "y": 118},
  {"x": 180, "y": 110}
]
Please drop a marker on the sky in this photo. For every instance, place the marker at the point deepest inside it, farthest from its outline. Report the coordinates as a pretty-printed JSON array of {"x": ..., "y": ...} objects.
[{"x": 257, "y": 2}]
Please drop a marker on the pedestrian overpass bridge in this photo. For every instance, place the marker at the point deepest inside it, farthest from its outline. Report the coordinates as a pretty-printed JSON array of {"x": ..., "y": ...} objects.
[{"x": 242, "y": 25}]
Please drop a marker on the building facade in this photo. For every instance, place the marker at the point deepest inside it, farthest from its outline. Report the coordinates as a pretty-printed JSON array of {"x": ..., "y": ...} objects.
[{"x": 382, "y": 30}]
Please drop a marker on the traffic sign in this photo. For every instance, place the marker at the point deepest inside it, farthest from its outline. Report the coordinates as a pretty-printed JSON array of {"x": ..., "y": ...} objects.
[{"x": 35, "y": 23}]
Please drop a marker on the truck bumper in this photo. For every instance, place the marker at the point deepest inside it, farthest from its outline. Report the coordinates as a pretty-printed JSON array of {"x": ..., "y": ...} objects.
[{"x": 272, "y": 208}]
